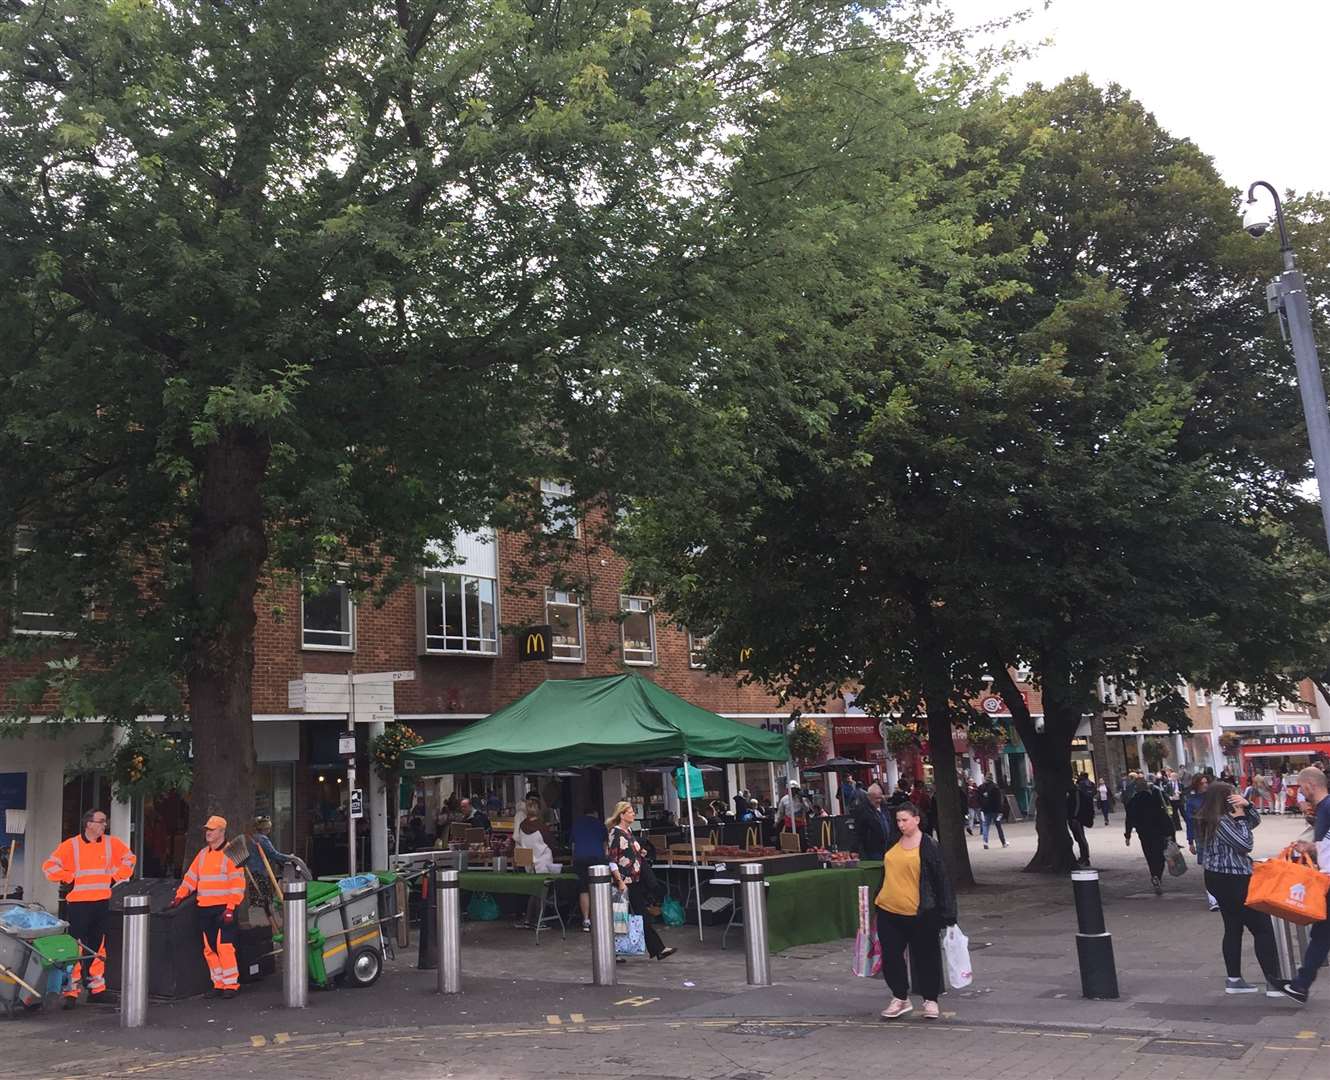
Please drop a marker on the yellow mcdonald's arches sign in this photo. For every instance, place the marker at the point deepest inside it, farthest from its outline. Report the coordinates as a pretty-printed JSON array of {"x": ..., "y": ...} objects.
[
  {"x": 534, "y": 643},
  {"x": 745, "y": 654}
]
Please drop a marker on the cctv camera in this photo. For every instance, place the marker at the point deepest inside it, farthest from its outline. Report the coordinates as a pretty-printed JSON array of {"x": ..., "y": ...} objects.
[{"x": 1256, "y": 227}]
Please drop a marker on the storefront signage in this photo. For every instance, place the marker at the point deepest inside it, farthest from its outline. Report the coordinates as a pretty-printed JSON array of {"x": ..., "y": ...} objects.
[
  {"x": 533, "y": 643},
  {"x": 993, "y": 704},
  {"x": 357, "y": 803},
  {"x": 854, "y": 729},
  {"x": 1279, "y": 740},
  {"x": 1112, "y": 723}
]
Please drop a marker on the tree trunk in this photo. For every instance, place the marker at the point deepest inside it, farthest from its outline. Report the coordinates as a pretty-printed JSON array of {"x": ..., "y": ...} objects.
[
  {"x": 1051, "y": 756},
  {"x": 947, "y": 796},
  {"x": 228, "y": 549}
]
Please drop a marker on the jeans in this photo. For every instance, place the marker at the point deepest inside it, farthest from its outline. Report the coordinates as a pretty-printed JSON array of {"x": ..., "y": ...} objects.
[
  {"x": 1230, "y": 892},
  {"x": 919, "y": 935},
  {"x": 991, "y": 819},
  {"x": 1103, "y": 809},
  {"x": 1318, "y": 949}
]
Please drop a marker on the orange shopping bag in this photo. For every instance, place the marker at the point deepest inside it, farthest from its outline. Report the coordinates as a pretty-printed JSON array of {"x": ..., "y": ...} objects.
[{"x": 1289, "y": 887}]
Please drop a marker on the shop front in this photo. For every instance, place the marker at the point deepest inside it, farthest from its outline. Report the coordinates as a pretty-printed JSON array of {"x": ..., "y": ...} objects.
[{"x": 1284, "y": 754}]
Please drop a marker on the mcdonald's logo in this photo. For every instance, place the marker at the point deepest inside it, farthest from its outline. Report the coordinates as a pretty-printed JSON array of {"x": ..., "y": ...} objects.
[
  {"x": 534, "y": 643},
  {"x": 745, "y": 654}
]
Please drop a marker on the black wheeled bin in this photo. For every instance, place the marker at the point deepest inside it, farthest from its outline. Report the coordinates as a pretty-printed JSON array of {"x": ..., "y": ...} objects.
[{"x": 176, "y": 968}]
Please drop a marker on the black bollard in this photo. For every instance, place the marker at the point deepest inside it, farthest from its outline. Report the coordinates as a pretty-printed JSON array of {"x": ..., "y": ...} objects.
[
  {"x": 428, "y": 956},
  {"x": 1094, "y": 944}
]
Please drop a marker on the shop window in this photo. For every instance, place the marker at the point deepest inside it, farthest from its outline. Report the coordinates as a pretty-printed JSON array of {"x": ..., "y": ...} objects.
[
  {"x": 563, "y": 612},
  {"x": 560, "y": 513},
  {"x": 327, "y": 618},
  {"x": 639, "y": 630},
  {"x": 273, "y": 786}
]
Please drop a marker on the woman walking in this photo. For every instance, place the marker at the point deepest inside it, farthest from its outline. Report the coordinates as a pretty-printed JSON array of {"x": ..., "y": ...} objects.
[
  {"x": 915, "y": 903},
  {"x": 1224, "y": 840},
  {"x": 1105, "y": 798},
  {"x": 1153, "y": 822},
  {"x": 627, "y": 863}
]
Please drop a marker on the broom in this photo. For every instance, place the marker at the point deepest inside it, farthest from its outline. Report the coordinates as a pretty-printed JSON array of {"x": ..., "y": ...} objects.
[{"x": 16, "y": 822}]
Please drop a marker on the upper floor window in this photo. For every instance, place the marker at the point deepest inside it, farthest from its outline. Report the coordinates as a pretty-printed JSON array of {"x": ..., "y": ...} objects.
[
  {"x": 639, "y": 629},
  {"x": 459, "y": 604},
  {"x": 327, "y": 618},
  {"x": 563, "y": 612},
  {"x": 697, "y": 650},
  {"x": 560, "y": 514},
  {"x": 1202, "y": 697},
  {"x": 35, "y": 609}
]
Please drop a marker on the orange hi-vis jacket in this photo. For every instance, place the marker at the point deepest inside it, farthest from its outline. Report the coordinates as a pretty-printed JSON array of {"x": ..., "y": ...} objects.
[
  {"x": 92, "y": 868},
  {"x": 215, "y": 878}
]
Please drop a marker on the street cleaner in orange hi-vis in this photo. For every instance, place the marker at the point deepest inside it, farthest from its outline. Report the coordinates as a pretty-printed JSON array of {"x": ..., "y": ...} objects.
[
  {"x": 220, "y": 887},
  {"x": 89, "y": 864}
]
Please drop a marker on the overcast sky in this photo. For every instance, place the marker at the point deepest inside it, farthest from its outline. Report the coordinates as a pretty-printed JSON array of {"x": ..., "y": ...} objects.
[{"x": 1248, "y": 83}]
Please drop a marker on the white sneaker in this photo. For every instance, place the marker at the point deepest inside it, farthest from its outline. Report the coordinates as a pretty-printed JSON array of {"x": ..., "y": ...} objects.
[{"x": 896, "y": 1008}]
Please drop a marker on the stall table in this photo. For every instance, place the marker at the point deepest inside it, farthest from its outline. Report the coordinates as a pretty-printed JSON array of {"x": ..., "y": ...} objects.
[
  {"x": 513, "y": 883},
  {"x": 812, "y": 906}
]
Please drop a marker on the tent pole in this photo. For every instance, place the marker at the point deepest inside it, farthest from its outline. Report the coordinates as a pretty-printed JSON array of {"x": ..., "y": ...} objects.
[{"x": 692, "y": 843}]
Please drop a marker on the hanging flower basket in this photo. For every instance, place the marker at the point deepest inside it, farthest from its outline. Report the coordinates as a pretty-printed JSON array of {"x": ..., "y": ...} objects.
[
  {"x": 1230, "y": 741},
  {"x": 386, "y": 751},
  {"x": 900, "y": 740},
  {"x": 986, "y": 742},
  {"x": 149, "y": 764},
  {"x": 807, "y": 742}
]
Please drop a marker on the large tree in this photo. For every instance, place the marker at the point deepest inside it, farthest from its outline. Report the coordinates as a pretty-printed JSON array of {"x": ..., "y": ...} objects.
[{"x": 292, "y": 285}]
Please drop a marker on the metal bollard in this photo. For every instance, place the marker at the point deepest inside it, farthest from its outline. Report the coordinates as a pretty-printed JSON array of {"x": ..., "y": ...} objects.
[
  {"x": 752, "y": 883},
  {"x": 295, "y": 945},
  {"x": 448, "y": 930},
  {"x": 134, "y": 964},
  {"x": 602, "y": 926},
  {"x": 1291, "y": 945},
  {"x": 1094, "y": 944}
]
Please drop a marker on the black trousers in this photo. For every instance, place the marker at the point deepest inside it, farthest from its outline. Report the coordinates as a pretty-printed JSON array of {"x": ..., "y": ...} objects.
[
  {"x": 1078, "y": 834},
  {"x": 639, "y": 896},
  {"x": 87, "y": 922},
  {"x": 1230, "y": 890},
  {"x": 1153, "y": 848},
  {"x": 917, "y": 935}
]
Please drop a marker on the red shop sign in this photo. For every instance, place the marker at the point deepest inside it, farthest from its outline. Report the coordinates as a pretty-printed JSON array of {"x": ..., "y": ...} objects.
[{"x": 855, "y": 729}]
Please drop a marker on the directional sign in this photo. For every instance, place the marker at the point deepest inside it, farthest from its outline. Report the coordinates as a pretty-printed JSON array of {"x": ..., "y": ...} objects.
[{"x": 381, "y": 676}]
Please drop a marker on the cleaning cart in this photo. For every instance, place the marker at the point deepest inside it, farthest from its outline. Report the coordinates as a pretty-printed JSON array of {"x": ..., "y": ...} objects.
[
  {"x": 345, "y": 928},
  {"x": 37, "y": 956}
]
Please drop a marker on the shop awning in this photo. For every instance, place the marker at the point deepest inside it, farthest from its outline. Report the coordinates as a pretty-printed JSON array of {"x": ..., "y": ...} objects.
[{"x": 612, "y": 720}]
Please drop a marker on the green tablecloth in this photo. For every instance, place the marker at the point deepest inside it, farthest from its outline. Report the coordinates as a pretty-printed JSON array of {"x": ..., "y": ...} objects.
[
  {"x": 816, "y": 905},
  {"x": 510, "y": 883}
]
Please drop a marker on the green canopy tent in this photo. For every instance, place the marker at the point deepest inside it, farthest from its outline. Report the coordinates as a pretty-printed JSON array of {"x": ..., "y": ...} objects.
[{"x": 612, "y": 720}]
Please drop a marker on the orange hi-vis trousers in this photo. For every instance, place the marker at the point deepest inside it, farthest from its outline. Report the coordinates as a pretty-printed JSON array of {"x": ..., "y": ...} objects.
[{"x": 219, "y": 948}]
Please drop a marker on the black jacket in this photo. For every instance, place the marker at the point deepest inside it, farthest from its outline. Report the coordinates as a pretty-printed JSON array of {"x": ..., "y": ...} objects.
[
  {"x": 1149, "y": 816},
  {"x": 991, "y": 800},
  {"x": 872, "y": 834},
  {"x": 937, "y": 899}
]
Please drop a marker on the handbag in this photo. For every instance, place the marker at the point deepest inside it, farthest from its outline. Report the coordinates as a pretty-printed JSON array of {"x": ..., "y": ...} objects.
[
  {"x": 1290, "y": 888},
  {"x": 1174, "y": 859},
  {"x": 619, "y": 911},
  {"x": 956, "y": 958},
  {"x": 634, "y": 942}
]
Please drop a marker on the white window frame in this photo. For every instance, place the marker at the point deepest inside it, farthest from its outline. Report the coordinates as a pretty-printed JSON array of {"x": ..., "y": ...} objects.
[
  {"x": 349, "y": 632},
  {"x": 558, "y": 519},
  {"x": 697, "y": 643},
  {"x": 566, "y": 599},
  {"x": 434, "y": 579},
  {"x": 1202, "y": 698},
  {"x": 638, "y": 605},
  {"x": 25, "y": 548}
]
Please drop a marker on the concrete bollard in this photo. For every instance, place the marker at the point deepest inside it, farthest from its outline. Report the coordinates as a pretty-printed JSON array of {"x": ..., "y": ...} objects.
[
  {"x": 448, "y": 899},
  {"x": 134, "y": 963},
  {"x": 602, "y": 926},
  {"x": 753, "y": 885},
  {"x": 1094, "y": 944},
  {"x": 295, "y": 945}
]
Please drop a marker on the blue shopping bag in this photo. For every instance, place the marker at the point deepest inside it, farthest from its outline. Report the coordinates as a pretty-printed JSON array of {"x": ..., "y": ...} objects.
[{"x": 633, "y": 943}]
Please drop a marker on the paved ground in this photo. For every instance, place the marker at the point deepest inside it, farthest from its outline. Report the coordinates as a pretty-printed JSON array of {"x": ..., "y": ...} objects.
[{"x": 528, "y": 1011}]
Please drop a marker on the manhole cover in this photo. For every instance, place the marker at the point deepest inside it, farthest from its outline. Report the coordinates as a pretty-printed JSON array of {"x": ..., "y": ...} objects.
[
  {"x": 1228, "y": 1051},
  {"x": 771, "y": 1031}
]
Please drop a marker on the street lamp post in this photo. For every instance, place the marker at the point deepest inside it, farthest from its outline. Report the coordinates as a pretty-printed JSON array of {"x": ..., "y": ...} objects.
[{"x": 1286, "y": 295}]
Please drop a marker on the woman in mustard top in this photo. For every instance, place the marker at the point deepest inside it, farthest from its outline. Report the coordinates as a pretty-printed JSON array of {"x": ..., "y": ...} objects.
[{"x": 915, "y": 903}]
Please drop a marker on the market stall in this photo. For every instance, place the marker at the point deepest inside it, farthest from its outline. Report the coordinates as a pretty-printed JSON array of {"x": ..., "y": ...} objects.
[
  {"x": 812, "y": 906},
  {"x": 610, "y": 721}
]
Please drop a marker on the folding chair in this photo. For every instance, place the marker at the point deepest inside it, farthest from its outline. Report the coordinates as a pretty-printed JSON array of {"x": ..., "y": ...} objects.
[{"x": 525, "y": 859}]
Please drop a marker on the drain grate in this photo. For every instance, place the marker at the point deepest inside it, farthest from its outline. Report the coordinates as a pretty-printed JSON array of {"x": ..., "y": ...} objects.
[
  {"x": 1227, "y": 1051},
  {"x": 771, "y": 1031}
]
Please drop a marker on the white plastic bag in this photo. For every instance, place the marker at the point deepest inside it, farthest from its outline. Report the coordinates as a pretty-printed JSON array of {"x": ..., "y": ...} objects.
[
  {"x": 619, "y": 914},
  {"x": 956, "y": 958}
]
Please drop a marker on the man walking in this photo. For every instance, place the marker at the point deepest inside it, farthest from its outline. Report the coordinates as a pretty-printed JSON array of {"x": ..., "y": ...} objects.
[
  {"x": 220, "y": 886},
  {"x": 874, "y": 824},
  {"x": 1148, "y": 814},
  {"x": 1312, "y": 783},
  {"x": 1080, "y": 815},
  {"x": 90, "y": 863},
  {"x": 991, "y": 805}
]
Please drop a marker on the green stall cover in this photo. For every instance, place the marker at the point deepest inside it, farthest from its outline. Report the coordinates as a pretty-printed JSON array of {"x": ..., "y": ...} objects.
[{"x": 573, "y": 723}]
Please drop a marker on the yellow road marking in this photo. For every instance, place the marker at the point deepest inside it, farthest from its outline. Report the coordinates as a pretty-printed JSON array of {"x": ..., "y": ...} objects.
[
  {"x": 577, "y": 1018},
  {"x": 553, "y": 1020},
  {"x": 282, "y": 1037},
  {"x": 637, "y": 1001},
  {"x": 1305, "y": 1035},
  {"x": 257, "y": 1040}
]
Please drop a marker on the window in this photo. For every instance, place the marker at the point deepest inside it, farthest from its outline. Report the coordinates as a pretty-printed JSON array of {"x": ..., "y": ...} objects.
[
  {"x": 327, "y": 619},
  {"x": 458, "y": 609},
  {"x": 560, "y": 514},
  {"x": 35, "y": 607},
  {"x": 1202, "y": 698},
  {"x": 697, "y": 646},
  {"x": 639, "y": 630},
  {"x": 563, "y": 611}
]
